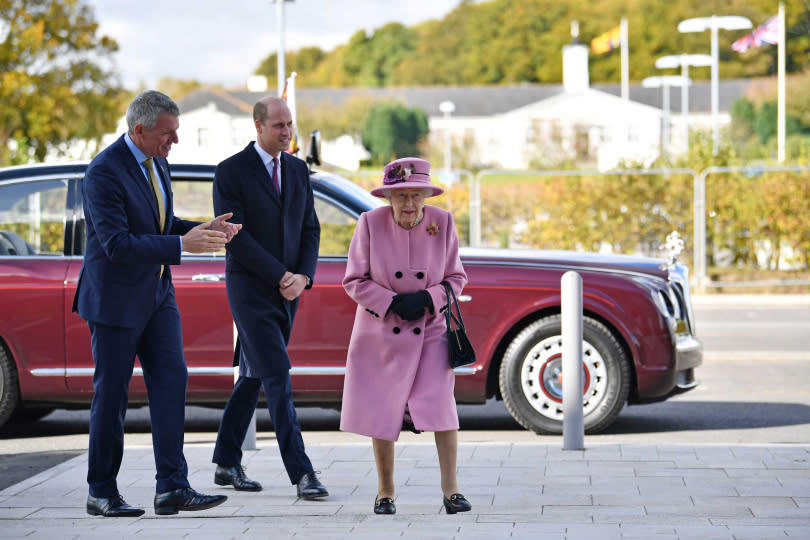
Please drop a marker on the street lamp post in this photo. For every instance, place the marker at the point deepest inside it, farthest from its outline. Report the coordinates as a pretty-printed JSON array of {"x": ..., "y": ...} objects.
[
  {"x": 714, "y": 23},
  {"x": 664, "y": 82},
  {"x": 281, "y": 68},
  {"x": 684, "y": 61}
]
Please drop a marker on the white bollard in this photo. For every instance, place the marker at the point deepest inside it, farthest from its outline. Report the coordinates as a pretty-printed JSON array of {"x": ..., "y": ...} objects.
[
  {"x": 250, "y": 436},
  {"x": 573, "y": 422}
]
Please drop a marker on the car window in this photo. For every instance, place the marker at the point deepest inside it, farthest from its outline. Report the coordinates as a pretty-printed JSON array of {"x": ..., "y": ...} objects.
[
  {"x": 337, "y": 228},
  {"x": 193, "y": 200},
  {"x": 32, "y": 218}
]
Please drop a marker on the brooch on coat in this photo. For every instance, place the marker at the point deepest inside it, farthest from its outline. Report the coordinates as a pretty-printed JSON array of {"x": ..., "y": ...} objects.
[{"x": 432, "y": 229}]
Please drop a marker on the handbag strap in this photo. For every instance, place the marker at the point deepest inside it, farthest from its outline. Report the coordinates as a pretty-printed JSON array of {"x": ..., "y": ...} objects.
[{"x": 451, "y": 302}]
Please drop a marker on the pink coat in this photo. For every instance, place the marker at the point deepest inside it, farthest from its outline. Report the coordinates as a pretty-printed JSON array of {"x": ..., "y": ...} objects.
[{"x": 393, "y": 362}]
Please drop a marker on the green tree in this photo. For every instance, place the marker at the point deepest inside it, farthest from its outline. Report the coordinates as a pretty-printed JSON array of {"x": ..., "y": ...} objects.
[
  {"x": 393, "y": 131},
  {"x": 54, "y": 86},
  {"x": 742, "y": 119},
  {"x": 765, "y": 122},
  {"x": 303, "y": 61},
  {"x": 371, "y": 61},
  {"x": 514, "y": 41}
]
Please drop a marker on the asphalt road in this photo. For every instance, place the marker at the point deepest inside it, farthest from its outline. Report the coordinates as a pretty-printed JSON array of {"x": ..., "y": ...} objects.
[{"x": 753, "y": 389}]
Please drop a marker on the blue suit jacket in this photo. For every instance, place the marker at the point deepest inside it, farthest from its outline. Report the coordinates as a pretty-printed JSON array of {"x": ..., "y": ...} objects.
[
  {"x": 279, "y": 234},
  {"x": 124, "y": 246}
]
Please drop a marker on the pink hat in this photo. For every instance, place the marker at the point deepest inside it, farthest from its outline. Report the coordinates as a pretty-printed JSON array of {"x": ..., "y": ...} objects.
[{"x": 409, "y": 172}]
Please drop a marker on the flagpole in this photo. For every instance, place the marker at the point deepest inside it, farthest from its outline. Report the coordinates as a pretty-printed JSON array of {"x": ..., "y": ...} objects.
[
  {"x": 780, "y": 123},
  {"x": 625, "y": 62}
]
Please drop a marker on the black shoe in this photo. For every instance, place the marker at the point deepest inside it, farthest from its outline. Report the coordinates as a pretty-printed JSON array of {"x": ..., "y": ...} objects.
[
  {"x": 235, "y": 476},
  {"x": 309, "y": 487},
  {"x": 384, "y": 506},
  {"x": 114, "y": 506},
  {"x": 456, "y": 503},
  {"x": 171, "y": 502},
  {"x": 407, "y": 425}
]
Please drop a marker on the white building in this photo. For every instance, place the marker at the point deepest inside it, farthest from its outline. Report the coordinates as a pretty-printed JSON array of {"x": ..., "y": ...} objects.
[{"x": 512, "y": 126}]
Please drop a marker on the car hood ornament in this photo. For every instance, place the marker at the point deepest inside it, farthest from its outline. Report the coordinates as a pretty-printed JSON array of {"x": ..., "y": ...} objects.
[{"x": 674, "y": 246}]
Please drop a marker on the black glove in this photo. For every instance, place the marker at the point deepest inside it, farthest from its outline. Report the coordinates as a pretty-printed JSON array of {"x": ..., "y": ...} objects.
[{"x": 411, "y": 306}]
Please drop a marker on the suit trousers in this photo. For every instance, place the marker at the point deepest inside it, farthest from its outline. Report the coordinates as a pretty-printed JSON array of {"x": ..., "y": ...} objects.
[
  {"x": 239, "y": 411},
  {"x": 159, "y": 347}
]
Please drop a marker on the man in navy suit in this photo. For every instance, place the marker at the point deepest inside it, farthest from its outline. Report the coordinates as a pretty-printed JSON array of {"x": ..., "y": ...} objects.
[
  {"x": 268, "y": 266},
  {"x": 125, "y": 294}
]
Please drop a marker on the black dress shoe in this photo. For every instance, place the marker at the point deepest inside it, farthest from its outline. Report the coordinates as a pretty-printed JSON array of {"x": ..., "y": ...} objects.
[
  {"x": 384, "y": 506},
  {"x": 407, "y": 425},
  {"x": 309, "y": 487},
  {"x": 171, "y": 502},
  {"x": 456, "y": 503},
  {"x": 111, "y": 507},
  {"x": 235, "y": 476}
]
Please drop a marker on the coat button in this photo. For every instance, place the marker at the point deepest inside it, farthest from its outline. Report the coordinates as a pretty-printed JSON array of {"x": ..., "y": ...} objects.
[
  {"x": 396, "y": 330},
  {"x": 398, "y": 275},
  {"x": 420, "y": 275},
  {"x": 417, "y": 331}
]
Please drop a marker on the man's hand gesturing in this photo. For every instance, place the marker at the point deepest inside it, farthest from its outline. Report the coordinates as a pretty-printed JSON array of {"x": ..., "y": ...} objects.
[
  {"x": 221, "y": 224},
  {"x": 202, "y": 239}
]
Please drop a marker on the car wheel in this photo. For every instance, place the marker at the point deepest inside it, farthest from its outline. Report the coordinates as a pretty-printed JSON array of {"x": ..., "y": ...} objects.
[
  {"x": 531, "y": 376},
  {"x": 9, "y": 392}
]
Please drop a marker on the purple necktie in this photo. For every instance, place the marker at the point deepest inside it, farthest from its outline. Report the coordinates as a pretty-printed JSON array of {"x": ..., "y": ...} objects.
[{"x": 275, "y": 176}]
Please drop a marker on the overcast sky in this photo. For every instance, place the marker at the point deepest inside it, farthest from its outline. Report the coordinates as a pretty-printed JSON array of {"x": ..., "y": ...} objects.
[{"x": 222, "y": 42}]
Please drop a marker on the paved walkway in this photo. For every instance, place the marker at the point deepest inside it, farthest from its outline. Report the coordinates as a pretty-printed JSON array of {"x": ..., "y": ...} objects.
[{"x": 517, "y": 489}]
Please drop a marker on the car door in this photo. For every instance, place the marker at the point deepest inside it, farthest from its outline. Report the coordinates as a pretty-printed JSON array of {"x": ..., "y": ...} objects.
[
  {"x": 33, "y": 270},
  {"x": 323, "y": 324},
  {"x": 200, "y": 290},
  {"x": 199, "y": 284}
]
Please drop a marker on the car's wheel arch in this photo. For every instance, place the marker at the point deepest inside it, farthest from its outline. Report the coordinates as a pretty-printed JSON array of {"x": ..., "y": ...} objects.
[
  {"x": 9, "y": 384},
  {"x": 493, "y": 388}
]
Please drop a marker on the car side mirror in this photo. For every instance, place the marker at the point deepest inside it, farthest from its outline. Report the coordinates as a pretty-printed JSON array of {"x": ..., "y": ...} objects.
[{"x": 314, "y": 155}]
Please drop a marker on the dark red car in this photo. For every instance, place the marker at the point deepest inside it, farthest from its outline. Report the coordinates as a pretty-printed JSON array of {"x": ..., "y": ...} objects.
[{"x": 639, "y": 339}]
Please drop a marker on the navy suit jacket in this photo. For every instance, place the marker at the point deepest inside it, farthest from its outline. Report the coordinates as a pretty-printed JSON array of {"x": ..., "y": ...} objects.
[
  {"x": 124, "y": 246},
  {"x": 279, "y": 234}
]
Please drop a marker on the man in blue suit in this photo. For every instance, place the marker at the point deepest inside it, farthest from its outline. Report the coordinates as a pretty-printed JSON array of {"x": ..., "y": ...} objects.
[
  {"x": 267, "y": 267},
  {"x": 125, "y": 294}
]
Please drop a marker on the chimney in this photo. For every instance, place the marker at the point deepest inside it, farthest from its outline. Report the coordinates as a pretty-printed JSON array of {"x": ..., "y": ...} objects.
[{"x": 575, "y": 63}]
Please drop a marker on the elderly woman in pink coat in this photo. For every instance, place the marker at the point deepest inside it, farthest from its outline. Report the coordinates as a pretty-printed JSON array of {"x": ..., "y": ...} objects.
[{"x": 397, "y": 358}]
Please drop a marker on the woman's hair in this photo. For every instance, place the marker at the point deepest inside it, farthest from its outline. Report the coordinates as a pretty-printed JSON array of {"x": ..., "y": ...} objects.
[
  {"x": 147, "y": 106},
  {"x": 387, "y": 192}
]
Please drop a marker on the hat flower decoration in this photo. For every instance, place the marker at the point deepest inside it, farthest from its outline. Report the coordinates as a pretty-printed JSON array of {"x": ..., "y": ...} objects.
[
  {"x": 398, "y": 174},
  {"x": 407, "y": 173}
]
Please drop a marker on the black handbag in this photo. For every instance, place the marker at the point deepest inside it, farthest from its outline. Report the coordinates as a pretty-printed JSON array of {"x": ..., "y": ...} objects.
[{"x": 459, "y": 349}]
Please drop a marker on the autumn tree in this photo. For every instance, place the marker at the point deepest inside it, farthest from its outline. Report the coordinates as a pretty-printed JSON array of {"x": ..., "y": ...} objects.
[
  {"x": 394, "y": 131},
  {"x": 56, "y": 79}
]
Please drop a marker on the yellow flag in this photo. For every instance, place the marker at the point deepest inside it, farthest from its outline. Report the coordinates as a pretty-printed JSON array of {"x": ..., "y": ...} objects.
[{"x": 608, "y": 41}]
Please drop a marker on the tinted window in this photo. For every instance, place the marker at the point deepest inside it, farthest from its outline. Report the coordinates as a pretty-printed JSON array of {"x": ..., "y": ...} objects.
[
  {"x": 32, "y": 218},
  {"x": 337, "y": 228},
  {"x": 193, "y": 200}
]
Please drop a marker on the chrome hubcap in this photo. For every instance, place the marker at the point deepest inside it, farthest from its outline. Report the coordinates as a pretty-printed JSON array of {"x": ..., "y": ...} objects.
[{"x": 541, "y": 377}]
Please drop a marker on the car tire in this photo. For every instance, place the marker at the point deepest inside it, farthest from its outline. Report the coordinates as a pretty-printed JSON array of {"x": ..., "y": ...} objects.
[
  {"x": 9, "y": 391},
  {"x": 530, "y": 376}
]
